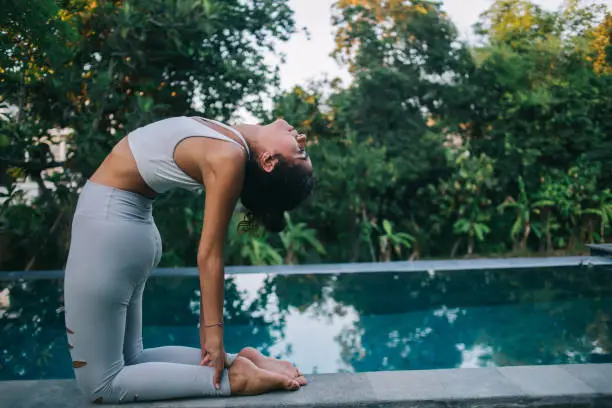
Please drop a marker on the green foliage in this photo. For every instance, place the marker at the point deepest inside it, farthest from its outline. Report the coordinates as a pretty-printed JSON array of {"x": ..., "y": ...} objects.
[
  {"x": 111, "y": 67},
  {"x": 393, "y": 242},
  {"x": 523, "y": 208},
  {"x": 436, "y": 148},
  {"x": 297, "y": 240}
]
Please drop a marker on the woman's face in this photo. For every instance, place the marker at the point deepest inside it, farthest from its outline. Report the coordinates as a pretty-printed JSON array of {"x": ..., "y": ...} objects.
[{"x": 280, "y": 138}]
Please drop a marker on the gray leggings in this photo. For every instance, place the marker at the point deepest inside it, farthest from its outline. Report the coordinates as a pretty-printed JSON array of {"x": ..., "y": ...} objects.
[{"x": 115, "y": 245}]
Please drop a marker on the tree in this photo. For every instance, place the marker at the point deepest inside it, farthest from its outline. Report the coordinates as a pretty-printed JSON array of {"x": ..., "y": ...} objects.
[
  {"x": 363, "y": 170},
  {"x": 406, "y": 60},
  {"x": 516, "y": 22},
  {"x": 603, "y": 209},
  {"x": 428, "y": 139},
  {"x": 602, "y": 45},
  {"x": 115, "y": 65},
  {"x": 296, "y": 239},
  {"x": 391, "y": 241},
  {"x": 523, "y": 207}
]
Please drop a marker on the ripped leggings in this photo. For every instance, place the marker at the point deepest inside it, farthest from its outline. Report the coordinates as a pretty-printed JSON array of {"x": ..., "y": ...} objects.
[{"x": 114, "y": 246}]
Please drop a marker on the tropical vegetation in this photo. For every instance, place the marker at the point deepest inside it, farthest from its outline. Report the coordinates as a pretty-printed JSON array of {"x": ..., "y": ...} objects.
[{"x": 438, "y": 147}]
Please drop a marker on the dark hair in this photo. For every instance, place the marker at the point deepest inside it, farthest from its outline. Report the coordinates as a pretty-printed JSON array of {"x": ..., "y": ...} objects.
[{"x": 267, "y": 195}]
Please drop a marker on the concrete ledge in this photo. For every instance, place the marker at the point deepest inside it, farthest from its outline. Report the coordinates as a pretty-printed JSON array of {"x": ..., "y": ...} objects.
[
  {"x": 363, "y": 267},
  {"x": 600, "y": 249},
  {"x": 581, "y": 385}
]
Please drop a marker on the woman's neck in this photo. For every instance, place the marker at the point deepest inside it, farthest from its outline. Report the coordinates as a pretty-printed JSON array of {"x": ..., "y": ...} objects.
[{"x": 249, "y": 132}]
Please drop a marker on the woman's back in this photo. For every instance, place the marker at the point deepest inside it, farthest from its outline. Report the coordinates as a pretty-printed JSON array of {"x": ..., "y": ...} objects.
[{"x": 145, "y": 160}]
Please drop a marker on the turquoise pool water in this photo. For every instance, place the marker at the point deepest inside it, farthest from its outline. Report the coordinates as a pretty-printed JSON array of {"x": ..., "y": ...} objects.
[{"x": 349, "y": 322}]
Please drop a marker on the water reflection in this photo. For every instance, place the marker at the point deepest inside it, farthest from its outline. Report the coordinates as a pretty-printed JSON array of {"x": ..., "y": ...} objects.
[{"x": 352, "y": 322}]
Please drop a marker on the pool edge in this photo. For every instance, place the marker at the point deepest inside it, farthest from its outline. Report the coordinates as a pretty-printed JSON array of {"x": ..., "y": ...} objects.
[
  {"x": 588, "y": 385},
  {"x": 361, "y": 267}
]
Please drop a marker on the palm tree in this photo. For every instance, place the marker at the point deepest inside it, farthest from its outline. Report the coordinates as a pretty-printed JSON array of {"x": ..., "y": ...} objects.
[
  {"x": 391, "y": 241},
  {"x": 472, "y": 228},
  {"x": 544, "y": 208},
  {"x": 603, "y": 211},
  {"x": 259, "y": 252},
  {"x": 522, "y": 223},
  {"x": 297, "y": 239},
  {"x": 250, "y": 248}
]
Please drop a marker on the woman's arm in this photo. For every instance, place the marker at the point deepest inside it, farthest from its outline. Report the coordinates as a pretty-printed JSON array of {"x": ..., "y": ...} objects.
[{"x": 223, "y": 179}]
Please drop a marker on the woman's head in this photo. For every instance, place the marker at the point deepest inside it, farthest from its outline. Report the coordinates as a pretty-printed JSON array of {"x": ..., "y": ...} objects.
[{"x": 278, "y": 175}]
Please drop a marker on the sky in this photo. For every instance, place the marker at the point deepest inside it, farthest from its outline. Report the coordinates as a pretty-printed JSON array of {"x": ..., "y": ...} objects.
[{"x": 309, "y": 59}]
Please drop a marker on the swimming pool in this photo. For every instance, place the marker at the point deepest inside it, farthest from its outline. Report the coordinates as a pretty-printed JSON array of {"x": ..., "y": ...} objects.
[{"x": 349, "y": 322}]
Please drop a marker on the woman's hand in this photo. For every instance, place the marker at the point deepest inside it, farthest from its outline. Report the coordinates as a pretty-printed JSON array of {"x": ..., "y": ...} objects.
[{"x": 213, "y": 355}]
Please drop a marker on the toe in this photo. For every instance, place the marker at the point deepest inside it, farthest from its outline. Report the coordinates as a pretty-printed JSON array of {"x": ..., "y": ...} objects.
[{"x": 292, "y": 385}]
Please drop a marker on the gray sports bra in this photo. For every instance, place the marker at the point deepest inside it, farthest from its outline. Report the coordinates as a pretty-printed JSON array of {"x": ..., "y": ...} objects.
[{"x": 153, "y": 148}]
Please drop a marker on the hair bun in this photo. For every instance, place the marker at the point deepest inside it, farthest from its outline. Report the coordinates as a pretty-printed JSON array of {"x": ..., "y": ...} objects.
[{"x": 274, "y": 221}]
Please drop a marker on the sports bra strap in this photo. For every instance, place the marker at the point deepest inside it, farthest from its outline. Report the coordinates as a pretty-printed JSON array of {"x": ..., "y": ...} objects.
[{"x": 231, "y": 129}]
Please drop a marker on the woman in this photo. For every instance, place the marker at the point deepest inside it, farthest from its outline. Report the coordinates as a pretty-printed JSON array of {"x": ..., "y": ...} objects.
[{"x": 115, "y": 245}]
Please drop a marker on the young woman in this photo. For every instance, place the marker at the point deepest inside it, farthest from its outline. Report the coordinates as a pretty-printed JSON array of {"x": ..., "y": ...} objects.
[{"x": 115, "y": 245}]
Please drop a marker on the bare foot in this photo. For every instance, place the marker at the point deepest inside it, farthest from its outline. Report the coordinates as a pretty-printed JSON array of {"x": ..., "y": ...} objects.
[
  {"x": 272, "y": 364},
  {"x": 247, "y": 379}
]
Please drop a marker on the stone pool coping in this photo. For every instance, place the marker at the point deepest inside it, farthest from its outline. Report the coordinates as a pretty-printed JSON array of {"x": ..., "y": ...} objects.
[
  {"x": 362, "y": 267},
  {"x": 574, "y": 385}
]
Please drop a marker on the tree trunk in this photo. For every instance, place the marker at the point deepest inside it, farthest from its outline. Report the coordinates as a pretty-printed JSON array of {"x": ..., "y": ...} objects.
[
  {"x": 42, "y": 189},
  {"x": 290, "y": 256},
  {"x": 385, "y": 249},
  {"x": 364, "y": 217},
  {"x": 455, "y": 248},
  {"x": 525, "y": 236},
  {"x": 356, "y": 241},
  {"x": 372, "y": 252},
  {"x": 572, "y": 240},
  {"x": 542, "y": 240},
  {"x": 56, "y": 223},
  {"x": 470, "y": 250},
  {"x": 549, "y": 243},
  {"x": 100, "y": 111},
  {"x": 22, "y": 95}
]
